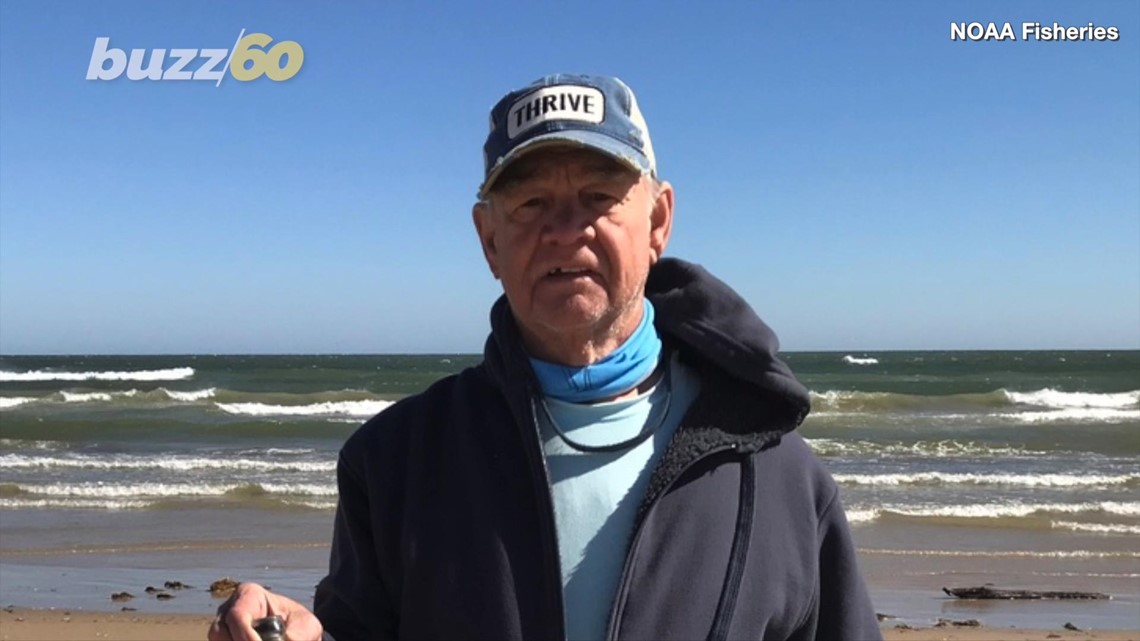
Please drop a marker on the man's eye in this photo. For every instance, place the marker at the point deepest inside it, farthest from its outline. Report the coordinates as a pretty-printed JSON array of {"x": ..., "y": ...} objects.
[
  {"x": 600, "y": 198},
  {"x": 527, "y": 211}
]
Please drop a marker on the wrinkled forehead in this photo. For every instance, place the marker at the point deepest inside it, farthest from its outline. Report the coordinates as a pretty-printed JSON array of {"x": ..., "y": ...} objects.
[{"x": 543, "y": 163}]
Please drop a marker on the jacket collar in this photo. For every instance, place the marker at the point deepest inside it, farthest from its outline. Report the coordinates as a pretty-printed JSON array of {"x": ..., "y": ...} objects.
[{"x": 716, "y": 332}]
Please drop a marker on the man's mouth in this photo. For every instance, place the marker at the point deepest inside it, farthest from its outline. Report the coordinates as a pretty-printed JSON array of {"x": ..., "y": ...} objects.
[
  {"x": 567, "y": 271},
  {"x": 570, "y": 275}
]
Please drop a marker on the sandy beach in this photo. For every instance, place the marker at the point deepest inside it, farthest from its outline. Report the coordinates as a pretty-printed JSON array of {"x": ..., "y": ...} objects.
[{"x": 68, "y": 625}]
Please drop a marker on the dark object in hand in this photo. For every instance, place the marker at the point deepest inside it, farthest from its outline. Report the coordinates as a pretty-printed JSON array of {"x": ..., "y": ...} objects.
[{"x": 270, "y": 628}]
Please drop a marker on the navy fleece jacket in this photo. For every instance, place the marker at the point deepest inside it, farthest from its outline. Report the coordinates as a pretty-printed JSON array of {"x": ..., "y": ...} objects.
[{"x": 445, "y": 527}]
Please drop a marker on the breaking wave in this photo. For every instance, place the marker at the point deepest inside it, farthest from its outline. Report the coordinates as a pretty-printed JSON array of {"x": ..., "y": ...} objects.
[
  {"x": 1075, "y": 414},
  {"x": 343, "y": 403},
  {"x": 173, "y": 374},
  {"x": 1052, "y": 398},
  {"x": 111, "y": 505},
  {"x": 158, "y": 394},
  {"x": 1100, "y": 528},
  {"x": 165, "y": 490},
  {"x": 191, "y": 396},
  {"x": 357, "y": 409},
  {"x": 862, "y": 516},
  {"x": 854, "y": 360},
  {"x": 96, "y": 496},
  {"x": 1027, "y": 554},
  {"x": 94, "y": 397},
  {"x": 22, "y": 444},
  {"x": 173, "y": 463},
  {"x": 945, "y": 448},
  {"x": 1024, "y": 480},
  {"x": 14, "y": 401},
  {"x": 1004, "y": 510},
  {"x": 1049, "y": 399}
]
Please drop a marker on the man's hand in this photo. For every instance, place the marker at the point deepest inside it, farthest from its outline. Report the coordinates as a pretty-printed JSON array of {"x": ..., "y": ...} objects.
[{"x": 251, "y": 601}]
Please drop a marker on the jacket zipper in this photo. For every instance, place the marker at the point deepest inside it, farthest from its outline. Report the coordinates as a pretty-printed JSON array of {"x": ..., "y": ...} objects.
[
  {"x": 741, "y": 541},
  {"x": 549, "y": 529},
  {"x": 623, "y": 584}
]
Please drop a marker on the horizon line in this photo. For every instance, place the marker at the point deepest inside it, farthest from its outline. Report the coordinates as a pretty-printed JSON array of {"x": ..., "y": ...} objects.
[{"x": 479, "y": 354}]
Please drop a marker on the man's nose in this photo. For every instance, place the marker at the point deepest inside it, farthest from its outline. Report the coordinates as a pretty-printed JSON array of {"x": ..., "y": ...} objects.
[{"x": 570, "y": 222}]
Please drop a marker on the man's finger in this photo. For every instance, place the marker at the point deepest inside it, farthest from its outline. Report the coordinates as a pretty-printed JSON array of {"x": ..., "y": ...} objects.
[
  {"x": 217, "y": 631},
  {"x": 239, "y": 625},
  {"x": 247, "y": 603}
]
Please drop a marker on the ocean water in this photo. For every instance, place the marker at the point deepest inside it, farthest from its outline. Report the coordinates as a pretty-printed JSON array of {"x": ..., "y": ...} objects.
[{"x": 1016, "y": 468}]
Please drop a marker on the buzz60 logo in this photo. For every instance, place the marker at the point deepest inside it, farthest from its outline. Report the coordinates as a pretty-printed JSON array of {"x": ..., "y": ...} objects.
[{"x": 250, "y": 58}]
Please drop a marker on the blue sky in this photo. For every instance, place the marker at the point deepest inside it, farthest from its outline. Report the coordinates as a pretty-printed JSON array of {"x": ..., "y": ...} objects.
[{"x": 865, "y": 182}]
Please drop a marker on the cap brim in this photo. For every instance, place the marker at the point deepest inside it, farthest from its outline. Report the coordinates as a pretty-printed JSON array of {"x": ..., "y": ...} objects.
[{"x": 592, "y": 140}]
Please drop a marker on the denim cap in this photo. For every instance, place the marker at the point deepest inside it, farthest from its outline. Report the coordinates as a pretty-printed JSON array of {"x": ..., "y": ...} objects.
[{"x": 593, "y": 112}]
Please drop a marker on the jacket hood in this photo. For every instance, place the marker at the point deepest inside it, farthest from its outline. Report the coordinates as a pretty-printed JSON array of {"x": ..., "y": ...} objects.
[
  {"x": 700, "y": 311},
  {"x": 696, "y": 313}
]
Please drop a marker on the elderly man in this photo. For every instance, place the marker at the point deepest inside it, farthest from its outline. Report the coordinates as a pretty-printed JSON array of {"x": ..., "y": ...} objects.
[{"x": 623, "y": 464}]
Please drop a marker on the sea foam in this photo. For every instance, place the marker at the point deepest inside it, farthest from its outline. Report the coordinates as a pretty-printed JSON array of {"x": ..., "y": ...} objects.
[
  {"x": 111, "y": 505},
  {"x": 1057, "y": 399},
  {"x": 109, "y": 396},
  {"x": 8, "y": 402},
  {"x": 1099, "y": 528},
  {"x": 171, "y": 463},
  {"x": 191, "y": 396},
  {"x": 981, "y": 511},
  {"x": 862, "y": 516},
  {"x": 361, "y": 409},
  {"x": 1024, "y": 480},
  {"x": 1028, "y": 554},
  {"x": 24, "y": 444},
  {"x": 1062, "y": 405},
  {"x": 1075, "y": 414},
  {"x": 945, "y": 448},
  {"x": 172, "y": 490},
  {"x": 855, "y": 360},
  {"x": 84, "y": 397},
  {"x": 173, "y": 374}
]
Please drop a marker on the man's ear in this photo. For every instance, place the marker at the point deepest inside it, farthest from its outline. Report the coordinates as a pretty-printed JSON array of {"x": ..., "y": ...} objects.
[
  {"x": 661, "y": 221},
  {"x": 481, "y": 215}
]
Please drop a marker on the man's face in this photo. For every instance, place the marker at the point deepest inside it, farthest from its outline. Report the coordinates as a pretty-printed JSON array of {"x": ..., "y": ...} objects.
[{"x": 571, "y": 234}]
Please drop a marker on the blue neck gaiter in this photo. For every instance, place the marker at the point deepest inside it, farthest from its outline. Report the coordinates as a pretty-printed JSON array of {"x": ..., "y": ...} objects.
[{"x": 621, "y": 371}]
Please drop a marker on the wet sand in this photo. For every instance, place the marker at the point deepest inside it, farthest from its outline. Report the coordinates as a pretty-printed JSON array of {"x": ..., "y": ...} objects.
[
  {"x": 74, "y": 563},
  {"x": 71, "y": 625}
]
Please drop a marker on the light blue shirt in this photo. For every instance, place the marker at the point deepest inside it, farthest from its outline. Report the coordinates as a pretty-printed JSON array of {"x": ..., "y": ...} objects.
[{"x": 596, "y": 495}]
